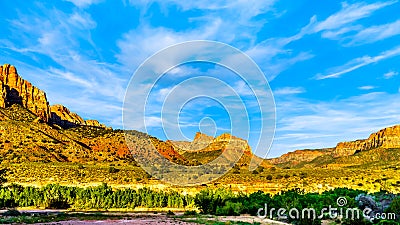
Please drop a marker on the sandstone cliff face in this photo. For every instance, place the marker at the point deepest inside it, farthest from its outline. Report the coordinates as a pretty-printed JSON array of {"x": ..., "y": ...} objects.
[
  {"x": 15, "y": 90},
  {"x": 63, "y": 117},
  {"x": 386, "y": 138},
  {"x": 2, "y": 93}
]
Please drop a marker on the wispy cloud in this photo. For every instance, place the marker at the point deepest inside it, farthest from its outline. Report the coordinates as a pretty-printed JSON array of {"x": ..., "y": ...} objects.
[
  {"x": 342, "y": 23},
  {"x": 366, "y": 88},
  {"x": 140, "y": 43},
  {"x": 376, "y": 33},
  {"x": 390, "y": 74},
  {"x": 73, "y": 65},
  {"x": 349, "y": 14},
  {"x": 289, "y": 91},
  {"x": 84, "y": 3},
  {"x": 358, "y": 63}
]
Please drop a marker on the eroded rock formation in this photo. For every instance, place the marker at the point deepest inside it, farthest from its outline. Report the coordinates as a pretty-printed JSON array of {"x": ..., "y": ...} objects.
[{"x": 15, "y": 90}]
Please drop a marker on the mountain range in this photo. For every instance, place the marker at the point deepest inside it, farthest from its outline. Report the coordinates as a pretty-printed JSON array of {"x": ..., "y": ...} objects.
[{"x": 32, "y": 130}]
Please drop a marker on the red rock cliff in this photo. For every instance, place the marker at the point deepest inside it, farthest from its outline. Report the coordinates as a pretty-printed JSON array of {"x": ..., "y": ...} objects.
[{"x": 15, "y": 90}]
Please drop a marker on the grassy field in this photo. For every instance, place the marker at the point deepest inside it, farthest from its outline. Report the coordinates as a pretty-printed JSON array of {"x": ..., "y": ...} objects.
[{"x": 370, "y": 177}]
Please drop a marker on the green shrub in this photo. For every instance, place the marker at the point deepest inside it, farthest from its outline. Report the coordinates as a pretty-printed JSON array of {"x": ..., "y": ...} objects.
[
  {"x": 387, "y": 222},
  {"x": 394, "y": 206},
  {"x": 230, "y": 209},
  {"x": 11, "y": 212},
  {"x": 190, "y": 213},
  {"x": 112, "y": 169}
]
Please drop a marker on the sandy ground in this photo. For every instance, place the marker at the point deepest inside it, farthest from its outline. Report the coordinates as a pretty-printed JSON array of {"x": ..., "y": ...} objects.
[
  {"x": 151, "y": 219},
  {"x": 158, "y": 220},
  {"x": 164, "y": 220}
]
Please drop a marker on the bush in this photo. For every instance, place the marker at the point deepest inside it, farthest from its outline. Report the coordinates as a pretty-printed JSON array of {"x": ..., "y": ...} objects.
[
  {"x": 387, "y": 222},
  {"x": 394, "y": 206},
  {"x": 11, "y": 212},
  {"x": 190, "y": 213},
  {"x": 230, "y": 209},
  {"x": 112, "y": 169}
]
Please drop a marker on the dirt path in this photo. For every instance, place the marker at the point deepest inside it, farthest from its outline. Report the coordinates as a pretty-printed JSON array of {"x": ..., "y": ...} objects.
[{"x": 156, "y": 220}]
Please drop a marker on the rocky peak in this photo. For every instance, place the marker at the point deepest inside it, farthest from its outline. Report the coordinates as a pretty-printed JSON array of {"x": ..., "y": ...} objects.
[
  {"x": 233, "y": 142},
  {"x": 15, "y": 90},
  {"x": 201, "y": 141},
  {"x": 63, "y": 117},
  {"x": 202, "y": 137}
]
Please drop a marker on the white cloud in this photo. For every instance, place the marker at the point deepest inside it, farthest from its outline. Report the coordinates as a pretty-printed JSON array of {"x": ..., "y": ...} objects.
[
  {"x": 71, "y": 70},
  {"x": 343, "y": 24},
  {"x": 358, "y": 63},
  {"x": 390, "y": 74},
  {"x": 138, "y": 44},
  {"x": 289, "y": 91},
  {"x": 348, "y": 15},
  {"x": 376, "y": 33},
  {"x": 84, "y": 3},
  {"x": 365, "y": 88},
  {"x": 72, "y": 78},
  {"x": 243, "y": 8},
  {"x": 334, "y": 27}
]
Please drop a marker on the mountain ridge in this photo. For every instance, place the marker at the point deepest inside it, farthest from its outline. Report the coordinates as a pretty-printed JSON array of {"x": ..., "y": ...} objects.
[
  {"x": 48, "y": 133},
  {"x": 385, "y": 138}
]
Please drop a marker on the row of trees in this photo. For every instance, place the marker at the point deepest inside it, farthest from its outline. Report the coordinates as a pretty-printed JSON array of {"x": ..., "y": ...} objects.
[
  {"x": 99, "y": 197},
  {"x": 224, "y": 202},
  {"x": 208, "y": 201}
]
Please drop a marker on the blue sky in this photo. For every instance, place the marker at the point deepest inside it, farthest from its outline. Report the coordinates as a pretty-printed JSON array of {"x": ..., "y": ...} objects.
[{"x": 333, "y": 66}]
